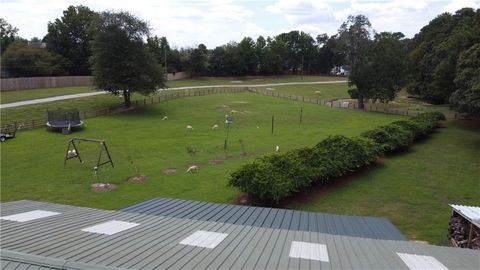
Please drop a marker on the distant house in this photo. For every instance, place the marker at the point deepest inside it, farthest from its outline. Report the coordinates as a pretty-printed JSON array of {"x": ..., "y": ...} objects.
[
  {"x": 37, "y": 44},
  {"x": 340, "y": 70}
]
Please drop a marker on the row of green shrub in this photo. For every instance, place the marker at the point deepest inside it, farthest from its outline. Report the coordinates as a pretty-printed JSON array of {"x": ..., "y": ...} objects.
[{"x": 275, "y": 177}]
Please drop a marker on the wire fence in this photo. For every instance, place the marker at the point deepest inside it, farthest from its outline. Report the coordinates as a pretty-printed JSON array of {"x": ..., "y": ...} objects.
[
  {"x": 369, "y": 107},
  {"x": 166, "y": 96},
  {"x": 136, "y": 104}
]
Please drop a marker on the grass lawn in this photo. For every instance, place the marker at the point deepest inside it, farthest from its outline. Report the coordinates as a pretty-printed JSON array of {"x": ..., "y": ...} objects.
[
  {"x": 316, "y": 91},
  {"x": 32, "y": 163},
  {"x": 14, "y": 96},
  {"x": 251, "y": 80},
  {"x": 36, "y": 111},
  {"x": 413, "y": 189}
]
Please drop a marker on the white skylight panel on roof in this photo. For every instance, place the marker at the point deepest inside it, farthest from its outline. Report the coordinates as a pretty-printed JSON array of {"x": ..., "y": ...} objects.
[
  {"x": 204, "y": 239},
  {"x": 30, "y": 215},
  {"x": 309, "y": 251},
  {"x": 422, "y": 262},
  {"x": 110, "y": 227}
]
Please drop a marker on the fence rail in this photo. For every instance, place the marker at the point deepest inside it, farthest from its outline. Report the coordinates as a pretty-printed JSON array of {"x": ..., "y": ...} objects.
[
  {"x": 162, "y": 97},
  {"x": 167, "y": 95},
  {"x": 380, "y": 108}
]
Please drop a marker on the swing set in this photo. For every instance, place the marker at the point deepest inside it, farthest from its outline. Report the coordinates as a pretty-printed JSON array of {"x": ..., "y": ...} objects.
[{"x": 72, "y": 152}]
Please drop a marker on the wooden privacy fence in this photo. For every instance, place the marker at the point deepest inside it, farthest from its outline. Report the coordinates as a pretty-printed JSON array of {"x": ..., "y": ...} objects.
[
  {"x": 163, "y": 96},
  {"x": 381, "y": 108},
  {"x": 13, "y": 84}
]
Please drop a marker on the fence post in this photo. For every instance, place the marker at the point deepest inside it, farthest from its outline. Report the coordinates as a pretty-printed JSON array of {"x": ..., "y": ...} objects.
[
  {"x": 33, "y": 123},
  {"x": 273, "y": 120}
]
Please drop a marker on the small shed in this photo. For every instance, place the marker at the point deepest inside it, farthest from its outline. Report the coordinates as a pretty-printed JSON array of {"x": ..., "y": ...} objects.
[{"x": 464, "y": 227}]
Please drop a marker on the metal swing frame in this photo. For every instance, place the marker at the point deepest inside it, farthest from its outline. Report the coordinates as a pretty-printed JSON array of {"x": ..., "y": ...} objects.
[{"x": 103, "y": 148}]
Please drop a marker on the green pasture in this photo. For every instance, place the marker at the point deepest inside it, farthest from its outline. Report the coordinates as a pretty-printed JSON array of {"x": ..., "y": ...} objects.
[
  {"x": 32, "y": 163},
  {"x": 413, "y": 189}
]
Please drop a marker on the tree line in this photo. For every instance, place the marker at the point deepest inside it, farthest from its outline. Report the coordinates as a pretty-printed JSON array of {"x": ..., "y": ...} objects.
[{"x": 439, "y": 64}]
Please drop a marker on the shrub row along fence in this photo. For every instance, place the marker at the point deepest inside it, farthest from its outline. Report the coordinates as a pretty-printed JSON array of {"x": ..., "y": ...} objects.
[
  {"x": 272, "y": 178},
  {"x": 381, "y": 108},
  {"x": 161, "y": 97}
]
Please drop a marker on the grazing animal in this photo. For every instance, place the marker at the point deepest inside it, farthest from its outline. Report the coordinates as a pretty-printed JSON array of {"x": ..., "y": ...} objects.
[
  {"x": 165, "y": 117},
  {"x": 277, "y": 148},
  {"x": 189, "y": 128},
  {"x": 193, "y": 168},
  {"x": 215, "y": 127},
  {"x": 318, "y": 92},
  {"x": 71, "y": 153}
]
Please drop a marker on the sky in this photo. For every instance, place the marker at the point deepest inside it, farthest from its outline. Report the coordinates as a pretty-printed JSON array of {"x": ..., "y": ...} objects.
[{"x": 187, "y": 23}]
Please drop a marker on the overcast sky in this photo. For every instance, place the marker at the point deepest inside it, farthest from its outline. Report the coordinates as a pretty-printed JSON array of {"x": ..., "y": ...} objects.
[{"x": 216, "y": 22}]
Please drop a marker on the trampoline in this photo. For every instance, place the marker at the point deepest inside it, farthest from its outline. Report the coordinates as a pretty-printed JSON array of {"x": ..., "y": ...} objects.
[{"x": 64, "y": 120}]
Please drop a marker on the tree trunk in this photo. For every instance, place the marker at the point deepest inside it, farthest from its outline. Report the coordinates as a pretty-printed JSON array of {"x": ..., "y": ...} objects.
[
  {"x": 361, "y": 105},
  {"x": 126, "y": 98}
]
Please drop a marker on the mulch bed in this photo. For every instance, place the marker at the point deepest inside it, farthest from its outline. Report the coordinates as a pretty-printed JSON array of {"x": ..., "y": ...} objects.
[
  {"x": 137, "y": 179},
  {"x": 102, "y": 187}
]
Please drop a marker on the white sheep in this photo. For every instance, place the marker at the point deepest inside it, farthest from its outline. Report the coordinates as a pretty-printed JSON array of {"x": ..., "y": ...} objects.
[
  {"x": 71, "y": 153},
  {"x": 165, "y": 117},
  {"x": 277, "y": 148},
  {"x": 318, "y": 92},
  {"x": 189, "y": 128},
  {"x": 193, "y": 168},
  {"x": 215, "y": 127}
]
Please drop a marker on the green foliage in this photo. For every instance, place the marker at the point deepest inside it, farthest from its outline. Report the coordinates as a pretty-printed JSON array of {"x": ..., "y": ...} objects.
[
  {"x": 121, "y": 61},
  {"x": 8, "y": 34},
  {"x": 466, "y": 98},
  {"x": 377, "y": 66},
  {"x": 71, "y": 35},
  {"x": 275, "y": 177},
  {"x": 435, "y": 51},
  {"x": 390, "y": 137},
  {"x": 21, "y": 60}
]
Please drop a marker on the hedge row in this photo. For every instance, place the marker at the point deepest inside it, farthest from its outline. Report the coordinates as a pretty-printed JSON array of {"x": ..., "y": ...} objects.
[{"x": 275, "y": 177}]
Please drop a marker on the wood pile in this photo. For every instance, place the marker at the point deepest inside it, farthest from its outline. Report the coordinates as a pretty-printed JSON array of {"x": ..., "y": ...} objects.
[{"x": 463, "y": 234}]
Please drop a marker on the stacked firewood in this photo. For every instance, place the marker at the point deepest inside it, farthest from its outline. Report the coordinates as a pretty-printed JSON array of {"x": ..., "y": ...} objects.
[{"x": 458, "y": 232}]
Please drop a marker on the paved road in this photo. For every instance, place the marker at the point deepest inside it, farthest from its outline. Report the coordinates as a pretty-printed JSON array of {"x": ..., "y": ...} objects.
[{"x": 50, "y": 99}]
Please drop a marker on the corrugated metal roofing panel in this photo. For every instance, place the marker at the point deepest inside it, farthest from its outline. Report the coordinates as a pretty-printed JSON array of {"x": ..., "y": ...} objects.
[
  {"x": 371, "y": 227},
  {"x": 155, "y": 244}
]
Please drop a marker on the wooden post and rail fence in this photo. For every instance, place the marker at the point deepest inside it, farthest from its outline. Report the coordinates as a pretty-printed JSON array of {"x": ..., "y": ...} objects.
[{"x": 167, "y": 95}]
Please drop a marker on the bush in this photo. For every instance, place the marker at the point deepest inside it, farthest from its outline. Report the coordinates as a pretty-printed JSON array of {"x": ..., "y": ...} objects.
[
  {"x": 390, "y": 137},
  {"x": 275, "y": 177}
]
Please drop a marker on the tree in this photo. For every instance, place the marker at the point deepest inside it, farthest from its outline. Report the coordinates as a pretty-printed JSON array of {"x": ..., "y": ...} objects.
[
  {"x": 377, "y": 67},
  {"x": 70, "y": 36},
  {"x": 8, "y": 34},
  {"x": 198, "y": 60},
  {"x": 121, "y": 61},
  {"x": 160, "y": 49},
  {"x": 467, "y": 81},
  {"x": 247, "y": 54},
  {"x": 355, "y": 38},
  {"x": 435, "y": 50},
  {"x": 21, "y": 60}
]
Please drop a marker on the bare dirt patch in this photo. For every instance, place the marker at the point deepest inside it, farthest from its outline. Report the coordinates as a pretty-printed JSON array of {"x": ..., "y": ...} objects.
[
  {"x": 215, "y": 161},
  {"x": 102, "y": 187},
  {"x": 137, "y": 179},
  {"x": 170, "y": 171}
]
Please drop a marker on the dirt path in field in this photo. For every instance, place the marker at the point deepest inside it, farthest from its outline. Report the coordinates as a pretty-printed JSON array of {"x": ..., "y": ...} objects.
[{"x": 64, "y": 97}]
